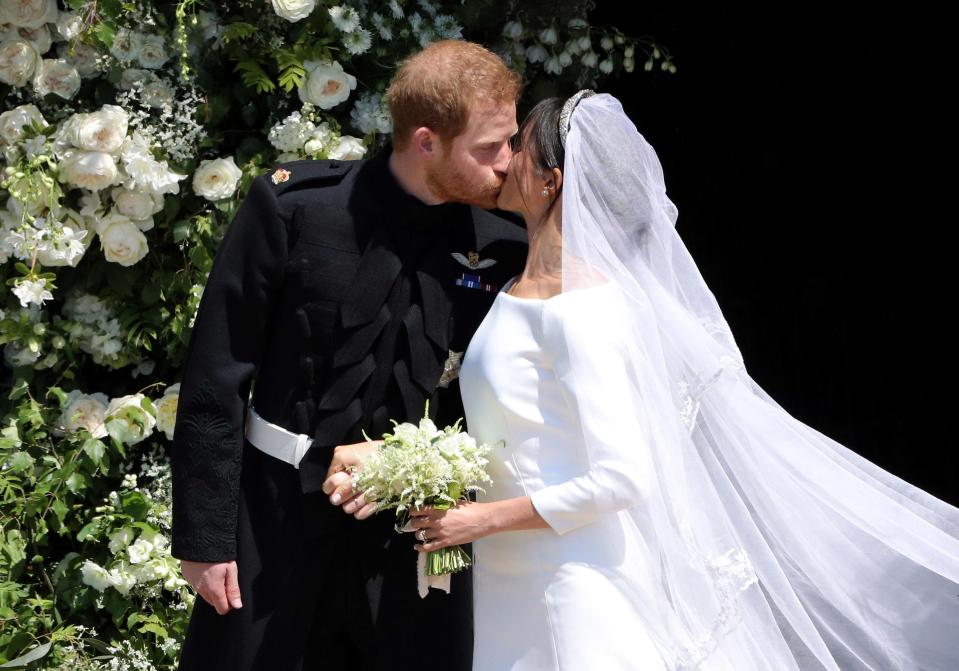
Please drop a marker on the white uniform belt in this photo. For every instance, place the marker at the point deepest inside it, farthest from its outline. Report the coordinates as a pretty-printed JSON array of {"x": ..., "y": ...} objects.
[{"x": 275, "y": 440}]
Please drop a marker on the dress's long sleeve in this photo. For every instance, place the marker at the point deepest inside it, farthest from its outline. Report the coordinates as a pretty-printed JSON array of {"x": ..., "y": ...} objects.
[
  {"x": 225, "y": 347},
  {"x": 590, "y": 367}
]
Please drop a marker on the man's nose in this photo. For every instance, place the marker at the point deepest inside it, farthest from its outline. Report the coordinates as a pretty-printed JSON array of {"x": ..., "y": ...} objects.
[{"x": 505, "y": 155}]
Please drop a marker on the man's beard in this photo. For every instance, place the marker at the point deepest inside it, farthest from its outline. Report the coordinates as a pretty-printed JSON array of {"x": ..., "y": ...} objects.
[{"x": 450, "y": 185}]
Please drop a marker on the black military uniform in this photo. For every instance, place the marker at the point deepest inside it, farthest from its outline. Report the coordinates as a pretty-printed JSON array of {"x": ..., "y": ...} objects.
[{"x": 350, "y": 302}]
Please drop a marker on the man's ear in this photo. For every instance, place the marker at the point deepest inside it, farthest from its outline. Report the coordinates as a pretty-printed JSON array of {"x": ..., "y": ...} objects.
[{"x": 425, "y": 142}]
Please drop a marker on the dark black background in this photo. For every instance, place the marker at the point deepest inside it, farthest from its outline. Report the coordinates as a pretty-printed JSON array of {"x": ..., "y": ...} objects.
[{"x": 807, "y": 154}]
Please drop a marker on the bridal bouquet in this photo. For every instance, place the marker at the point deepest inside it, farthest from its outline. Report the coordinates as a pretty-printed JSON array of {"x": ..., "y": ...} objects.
[{"x": 425, "y": 466}]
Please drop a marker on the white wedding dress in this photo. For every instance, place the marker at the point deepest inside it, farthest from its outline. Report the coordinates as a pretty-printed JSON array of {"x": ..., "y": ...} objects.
[{"x": 555, "y": 598}]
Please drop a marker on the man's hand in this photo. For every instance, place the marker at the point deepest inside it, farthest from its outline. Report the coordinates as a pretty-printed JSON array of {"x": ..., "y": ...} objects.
[
  {"x": 339, "y": 482},
  {"x": 216, "y": 582}
]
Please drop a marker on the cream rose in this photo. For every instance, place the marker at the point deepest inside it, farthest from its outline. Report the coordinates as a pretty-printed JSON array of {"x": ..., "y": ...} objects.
[
  {"x": 293, "y": 10},
  {"x": 157, "y": 93},
  {"x": 137, "y": 205},
  {"x": 348, "y": 148},
  {"x": 28, "y": 13},
  {"x": 153, "y": 52},
  {"x": 326, "y": 84},
  {"x": 85, "y": 411},
  {"x": 131, "y": 76},
  {"x": 166, "y": 407},
  {"x": 126, "y": 45},
  {"x": 123, "y": 242},
  {"x": 56, "y": 76},
  {"x": 69, "y": 25},
  {"x": 127, "y": 421},
  {"x": 13, "y": 121},
  {"x": 103, "y": 130},
  {"x": 19, "y": 60},
  {"x": 92, "y": 170},
  {"x": 81, "y": 55},
  {"x": 39, "y": 37},
  {"x": 216, "y": 179}
]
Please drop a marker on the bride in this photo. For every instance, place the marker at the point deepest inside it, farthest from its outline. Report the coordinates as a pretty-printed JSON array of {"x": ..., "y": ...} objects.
[{"x": 653, "y": 508}]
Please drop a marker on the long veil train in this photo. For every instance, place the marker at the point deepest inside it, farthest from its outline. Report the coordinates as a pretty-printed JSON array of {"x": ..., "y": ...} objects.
[{"x": 775, "y": 547}]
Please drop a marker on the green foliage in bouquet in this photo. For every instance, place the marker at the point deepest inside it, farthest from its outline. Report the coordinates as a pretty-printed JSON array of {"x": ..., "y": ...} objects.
[
  {"x": 130, "y": 132},
  {"x": 421, "y": 465}
]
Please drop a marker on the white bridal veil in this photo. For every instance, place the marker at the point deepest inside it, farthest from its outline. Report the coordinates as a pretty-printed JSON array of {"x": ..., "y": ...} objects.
[{"x": 771, "y": 547}]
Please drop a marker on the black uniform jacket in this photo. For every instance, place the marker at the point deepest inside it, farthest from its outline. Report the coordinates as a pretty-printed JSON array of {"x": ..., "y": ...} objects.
[{"x": 338, "y": 298}]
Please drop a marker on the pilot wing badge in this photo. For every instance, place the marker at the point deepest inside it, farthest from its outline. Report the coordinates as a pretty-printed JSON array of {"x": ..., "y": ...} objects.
[{"x": 473, "y": 260}]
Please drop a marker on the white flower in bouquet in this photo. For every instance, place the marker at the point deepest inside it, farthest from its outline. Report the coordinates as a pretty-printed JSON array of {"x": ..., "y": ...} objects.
[
  {"x": 40, "y": 37},
  {"x": 19, "y": 60},
  {"x": 421, "y": 465},
  {"x": 326, "y": 84},
  {"x": 347, "y": 148},
  {"x": 371, "y": 114},
  {"x": 28, "y": 13},
  {"x": 127, "y": 421},
  {"x": 139, "y": 206},
  {"x": 122, "y": 581},
  {"x": 122, "y": 240},
  {"x": 166, "y": 407},
  {"x": 69, "y": 25},
  {"x": 120, "y": 539},
  {"x": 93, "y": 170},
  {"x": 344, "y": 18},
  {"x": 293, "y": 10},
  {"x": 32, "y": 291},
  {"x": 357, "y": 41},
  {"x": 145, "y": 172},
  {"x": 139, "y": 551},
  {"x": 64, "y": 245},
  {"x": 95, "y": 576},
  {"x": 153, "y": 52},
  {"x": 103, "y": 130},
  {"x": 56, "y": 76},
  {"x": 292, "y": 133},
  {"x": 157, "y": 93},
  {"x": 85, "y": 58},
  {"x": 216, "y": 179},
  {"x": 320, "y": 141},
  {"x": 84, "y": 411},
  {"x": 13, "y": 121},
  {"x": 126, "y": 45}
]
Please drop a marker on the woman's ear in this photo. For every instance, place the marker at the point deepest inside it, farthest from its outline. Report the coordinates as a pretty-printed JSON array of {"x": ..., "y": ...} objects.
[{"x": 557, "y": 178}]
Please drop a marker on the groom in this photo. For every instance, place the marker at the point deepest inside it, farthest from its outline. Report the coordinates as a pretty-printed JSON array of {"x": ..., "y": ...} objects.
[{"x": 343, "y": 294}]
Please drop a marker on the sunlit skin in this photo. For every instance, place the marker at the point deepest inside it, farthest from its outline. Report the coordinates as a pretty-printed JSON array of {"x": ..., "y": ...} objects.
[{"x": 528, "y": 191}]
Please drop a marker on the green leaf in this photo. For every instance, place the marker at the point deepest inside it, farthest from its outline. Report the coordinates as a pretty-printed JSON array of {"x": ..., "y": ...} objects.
[
  {"x": 254, "y": 76},
  {"x": 21, "y": 461},
  {"x": 135, "y": 505},
  {"x": 19, "y": 389},
  {"x": 38, "y": 652},
  {"x": 95, "y": 449},
  {"x": 238, "y": 30}
]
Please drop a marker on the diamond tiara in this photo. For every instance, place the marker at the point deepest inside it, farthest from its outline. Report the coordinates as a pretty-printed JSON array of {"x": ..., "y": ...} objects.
[{"x": 568, "y": 112}]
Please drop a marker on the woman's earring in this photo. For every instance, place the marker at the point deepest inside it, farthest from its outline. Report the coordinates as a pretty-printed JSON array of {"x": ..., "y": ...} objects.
[{"x": 545, "y": 192}]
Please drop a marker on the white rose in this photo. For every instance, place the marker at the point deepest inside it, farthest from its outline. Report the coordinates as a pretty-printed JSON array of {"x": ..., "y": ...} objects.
[
  {"x": 13, "y": 121},
  {"x": 93, "y": 170},
  {"x": 131, "y": 76},
  {"x": 39, "y": 37},
  {"x": 124, "y": 243},
  {"x": 56, "y": 76},
  {"x": 138, "y": 205},
  {"x": 19, "y": 60},
  {"x": 139, "y": 551},
  {"x": 216, "y": 179},
  {"x": 95, "y": 576},
  {"x": 153, "y": 52},
  {"x": 157, "y": 93},
  {"x": 293, "y": 10},
  {"x": 326, "y": 84},
  {"x": 348, "y": 149},
  {"x": 127, "y": 421},
  {"x": 85, "y": 411},
  {"x": 103, "y": 130},
  {"x": 69, "y": 25},
  {"x": 82, "y": 55},
  {"x": 126, "y": 45},
  {"x": 166, "y": 407},
  {"x": 28, "y": 13}
]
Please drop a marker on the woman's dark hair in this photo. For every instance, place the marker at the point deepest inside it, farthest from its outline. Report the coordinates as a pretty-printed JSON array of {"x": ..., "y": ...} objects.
[{"x": 539, "y": 134}]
